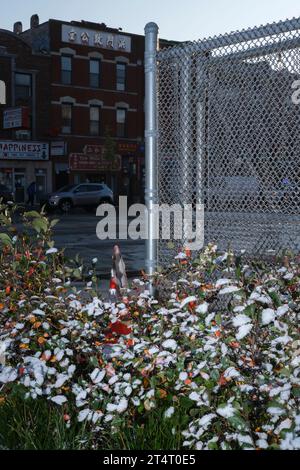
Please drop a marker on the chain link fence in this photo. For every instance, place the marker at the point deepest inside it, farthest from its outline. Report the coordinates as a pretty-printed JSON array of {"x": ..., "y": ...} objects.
[{"x": 229, "y": 137}]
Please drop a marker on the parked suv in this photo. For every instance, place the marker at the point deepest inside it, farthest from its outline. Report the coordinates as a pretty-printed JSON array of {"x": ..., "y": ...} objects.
[
  {"x": 87, "y": 195},
  {"x": 5, "y": 194}
]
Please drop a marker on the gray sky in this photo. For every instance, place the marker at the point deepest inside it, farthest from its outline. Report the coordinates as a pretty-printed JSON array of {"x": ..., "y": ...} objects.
[{"x": 177, "y": 19}]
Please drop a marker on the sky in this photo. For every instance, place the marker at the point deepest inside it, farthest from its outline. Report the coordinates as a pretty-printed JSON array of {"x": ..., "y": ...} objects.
[{"x": 177, "y": 20}]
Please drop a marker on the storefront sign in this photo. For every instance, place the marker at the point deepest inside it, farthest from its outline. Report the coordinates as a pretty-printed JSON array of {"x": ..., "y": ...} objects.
[
  {"x": 125, "y": 147},
  {"x": 16, "y": 118},
  {"x": 20, "y": 150},
  {"x": 57, "y": 149},
  {"x": 89, "y": 37},
  {"x": 93, "y": 162}
]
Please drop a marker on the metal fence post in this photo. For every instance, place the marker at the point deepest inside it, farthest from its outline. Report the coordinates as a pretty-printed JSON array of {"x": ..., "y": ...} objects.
[
  {"x": 151, "y": 183},
  {"x": 185, "y": 136}
]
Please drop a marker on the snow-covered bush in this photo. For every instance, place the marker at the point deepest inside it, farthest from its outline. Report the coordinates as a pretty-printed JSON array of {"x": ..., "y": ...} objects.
[{"x": 222, "y": 351}]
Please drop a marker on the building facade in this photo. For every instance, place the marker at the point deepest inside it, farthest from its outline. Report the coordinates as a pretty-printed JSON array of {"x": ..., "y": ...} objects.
[
  {"x": 24, "y": 117},
  {"x": 84, "y": 101}
]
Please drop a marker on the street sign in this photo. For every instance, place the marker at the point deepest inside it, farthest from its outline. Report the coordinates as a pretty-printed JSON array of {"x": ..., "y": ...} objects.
[
  {"x": 24, "y": 150},
  {"x": 57, "y": 149},
  {"x": 16, "y": 118},
  {"x": 93, "y": 162}
]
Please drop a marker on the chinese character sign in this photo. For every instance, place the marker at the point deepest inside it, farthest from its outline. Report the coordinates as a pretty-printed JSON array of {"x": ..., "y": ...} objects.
[{"x": 89, "y": 37}]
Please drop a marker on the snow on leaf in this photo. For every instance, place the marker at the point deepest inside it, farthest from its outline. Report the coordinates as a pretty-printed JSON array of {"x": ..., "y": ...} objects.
[
  {"x": 268, "y": 315},
  {"x": 222, "y": 282},
  {"x": 61, "y": 379},
  {"x": 282, "y": 310},
  {"x": 276, "y": 411},
  {"x": 226, "y": 411},
  {"x": 202, "y": 308},
  {"x": 231, "y": 373},
  {"x": 51, "y": 251},
  {"x": 243, "y": 331},
  {"x": 59, "y": 399},
  {"x": 229, "y": 290},
  {"x": 240, "y": 320},
  {"x": 206, "y": 419},
  {"x": 187, "y": 300},
  {"x": 122, "y": 406},
  {"x": 170, "y": 344},
  {"x": 97, "y": 375},
  {"x": 8, "y": 374},
  {"x": 83, "y": 414},
  {"x": 169, "y": 412},
  {"x": 38, "y": 312}
]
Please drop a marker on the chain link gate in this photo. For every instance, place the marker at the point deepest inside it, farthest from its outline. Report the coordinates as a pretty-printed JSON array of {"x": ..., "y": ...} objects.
[{"x": 229, "y": 137}]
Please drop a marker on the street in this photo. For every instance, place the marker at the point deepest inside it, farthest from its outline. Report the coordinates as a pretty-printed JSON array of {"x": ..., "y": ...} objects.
[{"x": 76, "y": 232}]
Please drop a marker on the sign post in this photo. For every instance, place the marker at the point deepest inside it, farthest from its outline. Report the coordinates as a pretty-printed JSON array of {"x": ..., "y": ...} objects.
[{"x": 151, "y": 195}]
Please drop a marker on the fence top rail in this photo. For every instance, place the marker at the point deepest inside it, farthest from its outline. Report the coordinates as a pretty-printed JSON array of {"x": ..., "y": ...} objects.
[{"x": 229, "y": 39}]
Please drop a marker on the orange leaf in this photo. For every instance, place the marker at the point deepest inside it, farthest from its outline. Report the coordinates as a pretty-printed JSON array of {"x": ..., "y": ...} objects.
[
  {"x": 222, "y": 381},
  {"x": 162, "y": 393}
]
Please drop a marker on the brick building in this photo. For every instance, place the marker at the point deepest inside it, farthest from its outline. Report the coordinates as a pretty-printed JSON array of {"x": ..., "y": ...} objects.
[
  {"x": 24, "y": 148},
  {"x": 92, "y": 104}
]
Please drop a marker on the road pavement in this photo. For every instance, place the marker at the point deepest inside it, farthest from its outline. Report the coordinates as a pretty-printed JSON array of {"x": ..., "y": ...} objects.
[{"x": 76, "y": 232}]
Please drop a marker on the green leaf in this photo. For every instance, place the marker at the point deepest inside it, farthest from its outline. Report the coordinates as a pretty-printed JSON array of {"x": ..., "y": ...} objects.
[
  {"x": 39, "y": 225},
  {"x": 275, "y": 297},
  {"x": 33, "y": 214},
  {"x": 5, "y": 239},
  {"x": 296, "y": 391},
  {"x": 237, "y": 422},
  {"x": 194, "y": 412},
  {"x": 213, "y": 446},
  {"x": 186, "y": 402},
  {"x": 54, "y": 222},
  {"x": 285, "y": 372},
  {"x": 170, "y": 245},
  {"x": 94, "y": 361},
  {"x": 77, "y": 273}
]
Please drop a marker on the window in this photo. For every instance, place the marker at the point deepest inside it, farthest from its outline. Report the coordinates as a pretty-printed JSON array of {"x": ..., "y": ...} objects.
[
  {"x": 66, "y": 69},
  {"x": 94, "y": 120},
  {"x": 94, "y": 73},
  {"x": 82, "y": 189},
  {"x": 121, "y": 122},
  {"x": 121, "y": 76},
  {"x": 94, "y": 188},
  {"x": 66, "y": 115},
  {"x": 2, "y": 92},
  {"x": 23, "y": 88}
]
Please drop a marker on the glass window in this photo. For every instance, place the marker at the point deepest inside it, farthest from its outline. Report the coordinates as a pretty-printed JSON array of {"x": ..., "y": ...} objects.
[
  {"x": 94, "y": 120},
  {"x": 121, "y": 122},
  {"x": 66, "y": 70},
  {"x": 121, "y": 76},
  {"x": 66, "y": 115},
  {"x": 82, "y": 189},
  {"x": 23, "y": 90},
  {"x": 94, "y": 73}
]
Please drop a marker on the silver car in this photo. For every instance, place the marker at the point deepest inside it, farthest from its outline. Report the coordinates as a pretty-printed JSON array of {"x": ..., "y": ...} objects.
[{"x": 87, "y": 195}]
